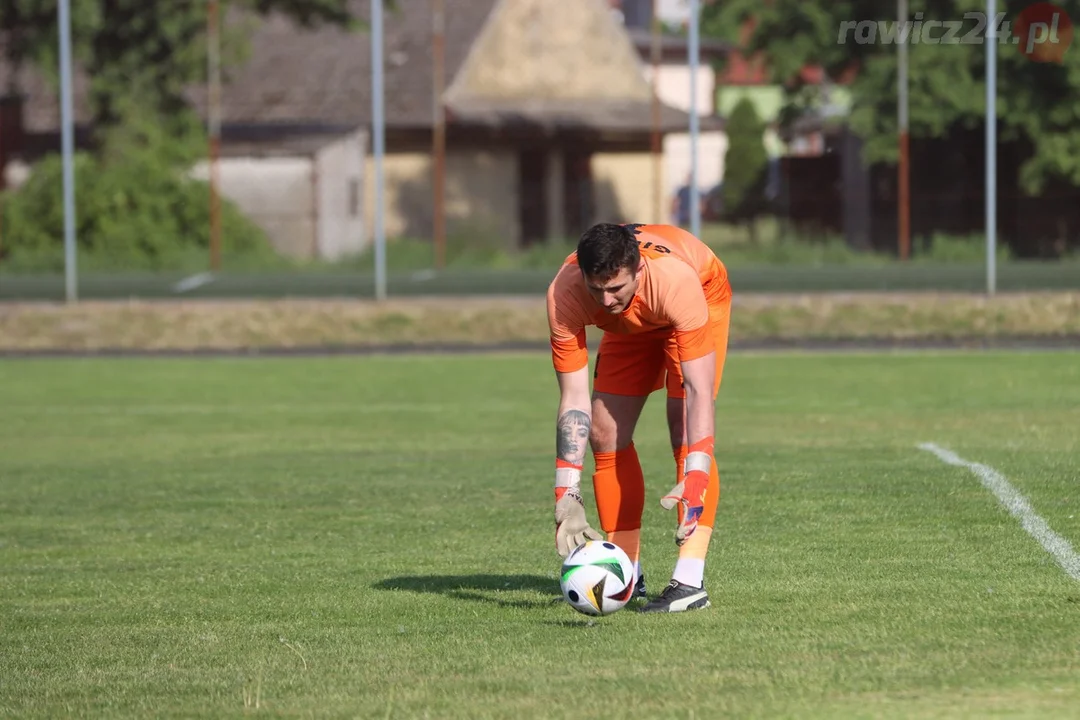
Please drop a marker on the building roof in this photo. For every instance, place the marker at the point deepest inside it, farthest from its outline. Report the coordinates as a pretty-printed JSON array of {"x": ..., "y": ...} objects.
[
  {"x": 542, "y": 65},
  {"x": 631, "y": 116},
  {"x": 676, "y": 48},
  {"x": 319, "y": 79},
  {"x": 323, "y": 75},
  {"x": 41, "y": 109},
  {"x": 297, "y": 77}
]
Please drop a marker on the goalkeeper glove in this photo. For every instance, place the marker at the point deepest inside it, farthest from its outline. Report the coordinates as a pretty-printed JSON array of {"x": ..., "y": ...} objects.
[
  {"x": 689, "y": 493},
  {"x": 571, "y": 526}
]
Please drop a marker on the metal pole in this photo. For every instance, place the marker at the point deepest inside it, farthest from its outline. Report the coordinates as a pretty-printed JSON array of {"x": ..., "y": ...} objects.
[
  {"x": 695, "y": 198},
  {"x": 378, "y": 124},
  {"x": 214, "y": 127},
  {"x": 991, "y": 150},
  {"x": 438, "y": 139},
  {"x": 657, "y": 142},
  {"x": 67, "y": 122},
  {"x": 903, "y": 205}
]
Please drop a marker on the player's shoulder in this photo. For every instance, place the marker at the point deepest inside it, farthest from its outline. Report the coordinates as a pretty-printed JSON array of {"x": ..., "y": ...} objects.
[
  {"x": 662, "y": 235},
  {"x": 672, "y": 269},
  {"x": 566, "y": 277}
]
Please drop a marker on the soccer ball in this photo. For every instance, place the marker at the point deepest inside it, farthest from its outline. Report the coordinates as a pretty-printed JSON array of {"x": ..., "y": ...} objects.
[{"x": 597, "y": 578}]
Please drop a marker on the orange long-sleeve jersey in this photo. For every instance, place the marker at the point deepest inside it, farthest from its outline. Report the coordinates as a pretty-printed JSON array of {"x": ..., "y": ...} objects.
[{"x": 681, "y": 279}]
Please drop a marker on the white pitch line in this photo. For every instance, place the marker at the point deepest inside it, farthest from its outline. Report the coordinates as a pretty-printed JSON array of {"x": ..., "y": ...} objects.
[{"x": 1017, "y": 505}]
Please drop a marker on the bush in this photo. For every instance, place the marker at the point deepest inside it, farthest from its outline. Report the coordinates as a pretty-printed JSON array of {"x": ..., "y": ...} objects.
[
  {"x": 745, "y": 164},
  {"x": 942, "y": 248},
  {"x": 135, "y": 210}
]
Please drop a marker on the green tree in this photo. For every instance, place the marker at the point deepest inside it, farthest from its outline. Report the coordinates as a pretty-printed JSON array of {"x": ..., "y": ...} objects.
[
  {"x": 156, "y": 49},
  {"x": 1037, "y": 103},
  {"x": 745, "y": 165},
  {"x": 137, "y": 207}
]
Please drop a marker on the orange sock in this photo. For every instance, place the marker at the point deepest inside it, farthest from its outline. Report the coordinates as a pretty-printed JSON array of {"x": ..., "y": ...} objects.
[
  {"x": 619, "y": 487},
  {"x": 629, "y": 541}
]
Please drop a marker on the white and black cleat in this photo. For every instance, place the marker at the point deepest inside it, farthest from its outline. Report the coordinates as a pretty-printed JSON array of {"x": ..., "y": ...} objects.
[{"x": 677, "y": 597}]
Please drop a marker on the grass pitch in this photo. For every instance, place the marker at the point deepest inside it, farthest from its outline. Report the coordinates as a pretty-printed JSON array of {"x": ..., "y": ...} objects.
[{"x": 371, "y": 537}]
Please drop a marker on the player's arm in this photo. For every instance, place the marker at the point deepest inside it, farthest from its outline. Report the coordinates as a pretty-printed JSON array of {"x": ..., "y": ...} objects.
[
  {"x": 570, "y": 356},
  {"x": 697, "y": 356},
  {"x": 575, "y": 418},
  {"x": 571, "y": 441},
  {"x": 699, "y": 375},
  {"x": 699, "y": 378}
]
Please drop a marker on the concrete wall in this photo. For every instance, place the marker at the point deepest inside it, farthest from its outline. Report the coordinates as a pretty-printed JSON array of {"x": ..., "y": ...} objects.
[
  {"x": 339, "y": 183},
  {"x": 304, "y": 202},
  {"x": 481, "y": 195},
  {"x": 712, "y": 147},
  {"x": 623, "y": 187},
  {"x": 277, "y": 194}
]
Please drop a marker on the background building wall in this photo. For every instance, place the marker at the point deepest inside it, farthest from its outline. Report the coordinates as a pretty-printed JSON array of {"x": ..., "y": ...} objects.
[
  {"x": 339, "y": 184},
  {"x": 276, "y": 193}
]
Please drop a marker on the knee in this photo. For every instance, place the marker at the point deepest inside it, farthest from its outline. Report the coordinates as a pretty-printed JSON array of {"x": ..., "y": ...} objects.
[
  {"x": 613, "y": 421},
  {"x": 603, "y": 437}
]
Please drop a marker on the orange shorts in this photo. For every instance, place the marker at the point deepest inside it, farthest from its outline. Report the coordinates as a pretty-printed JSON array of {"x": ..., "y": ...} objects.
[{"x": 639, "y": 365}]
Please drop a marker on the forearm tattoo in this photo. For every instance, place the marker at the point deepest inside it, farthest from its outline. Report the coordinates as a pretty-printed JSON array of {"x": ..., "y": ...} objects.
[{"x": 572, "y": 436}]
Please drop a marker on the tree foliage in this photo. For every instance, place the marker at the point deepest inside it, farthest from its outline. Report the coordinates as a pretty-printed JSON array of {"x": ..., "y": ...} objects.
[
  {"x": 745, "y": 162},
  {"x": 136, "y": 206},
  {"x": 156, "y": 49},
  {"x": 1037, "y": 103}
]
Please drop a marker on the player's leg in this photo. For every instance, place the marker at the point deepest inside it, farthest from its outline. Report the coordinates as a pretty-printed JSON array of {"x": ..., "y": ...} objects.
[
  {"x": 627, "y": 370},
  {"x": 687, "y": 589}
]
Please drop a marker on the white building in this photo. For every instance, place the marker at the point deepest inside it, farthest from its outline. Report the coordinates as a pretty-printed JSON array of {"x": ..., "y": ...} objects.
[{"x": 680, "y": 87}]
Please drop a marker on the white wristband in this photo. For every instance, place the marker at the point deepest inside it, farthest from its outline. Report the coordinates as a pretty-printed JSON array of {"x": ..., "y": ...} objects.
[
  {"x": 567, "y": 477},
  {"x": 698, "y": 461}
]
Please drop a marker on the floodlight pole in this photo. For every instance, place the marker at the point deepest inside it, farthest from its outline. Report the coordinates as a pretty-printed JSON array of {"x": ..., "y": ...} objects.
[
  {"x": 693, "y": 51},
  {"x": 903, "y": 205},
  {"x": 214, "y": 126},
  {"x": 378, "y": 126},
  {"x": 656, "y": 142},
  {"x": 438, "y": 136},
  {"x": 67, "y": 123},
  {"x": 991, "y": 149}
]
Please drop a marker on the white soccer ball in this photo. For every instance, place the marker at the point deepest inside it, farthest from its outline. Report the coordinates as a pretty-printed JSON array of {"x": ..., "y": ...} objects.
[{"x": 597, "y": 578}]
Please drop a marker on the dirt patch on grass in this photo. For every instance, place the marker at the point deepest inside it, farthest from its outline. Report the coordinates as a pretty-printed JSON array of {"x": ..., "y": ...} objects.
[{"x": 285, "y": 324}]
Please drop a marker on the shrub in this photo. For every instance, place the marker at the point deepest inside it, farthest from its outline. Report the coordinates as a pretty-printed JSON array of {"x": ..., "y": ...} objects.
[
  {"x": 136, "y": 209},
  {"x": 745, "y": 164}
]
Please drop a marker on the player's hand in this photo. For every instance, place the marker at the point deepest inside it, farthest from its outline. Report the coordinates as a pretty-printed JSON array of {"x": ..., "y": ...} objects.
[
  {"x": 571, "y": 526},
  {"x": 689, "y": 495}
]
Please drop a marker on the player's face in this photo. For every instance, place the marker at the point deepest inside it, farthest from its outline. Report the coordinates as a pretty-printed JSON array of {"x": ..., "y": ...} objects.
[{"x": 614, "y": 293}]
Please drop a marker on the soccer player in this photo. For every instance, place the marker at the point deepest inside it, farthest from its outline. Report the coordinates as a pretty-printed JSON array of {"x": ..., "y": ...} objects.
[{"x": 663, "y": 300}]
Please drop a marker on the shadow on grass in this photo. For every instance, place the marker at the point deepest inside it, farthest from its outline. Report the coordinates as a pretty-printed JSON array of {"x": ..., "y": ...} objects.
[
  {"x": 478, "y": 588},
  {"x": 582, "y": 624}
]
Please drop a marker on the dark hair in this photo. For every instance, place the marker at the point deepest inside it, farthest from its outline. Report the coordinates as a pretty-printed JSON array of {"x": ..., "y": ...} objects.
[{"x": 606, "y": 248}]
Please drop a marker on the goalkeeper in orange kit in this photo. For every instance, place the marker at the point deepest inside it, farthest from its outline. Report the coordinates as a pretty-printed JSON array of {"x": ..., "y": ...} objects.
[{"x": 663, "y": 300}]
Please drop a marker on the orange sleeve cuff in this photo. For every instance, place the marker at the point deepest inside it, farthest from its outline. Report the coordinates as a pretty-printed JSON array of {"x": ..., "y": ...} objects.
[
  {"x": 694, "y": 344},
  {"x": 569, "y": 355}
]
